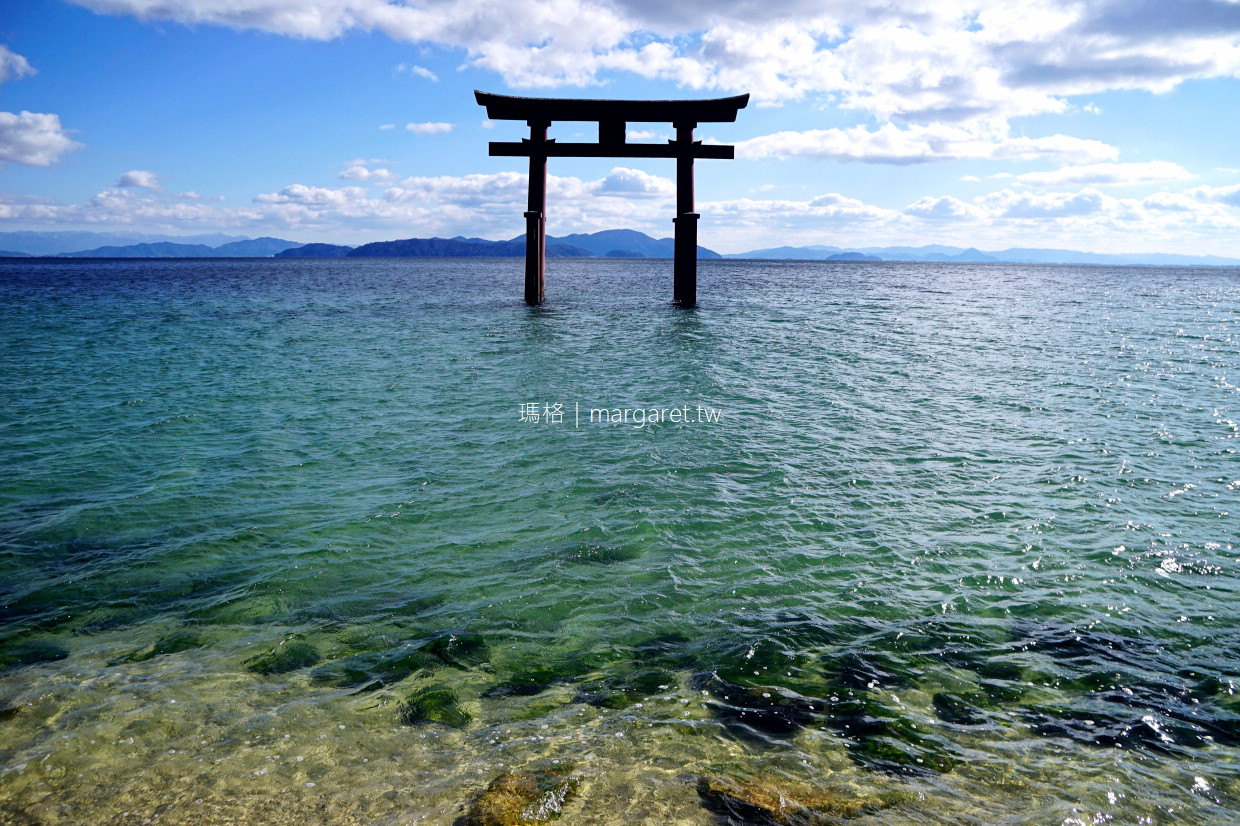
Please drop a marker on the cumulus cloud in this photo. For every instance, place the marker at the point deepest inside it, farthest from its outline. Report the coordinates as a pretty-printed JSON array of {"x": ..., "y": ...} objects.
[
  {"x": 635, "y": 183},
  {"x": 922, "y": 144},
  {"x": 1108, "y": 174},
  {"x": 1008, "y": 204},
  {"x": 428, "y": 128},
  {"x": 945, "y": 208},
  {"x": 13, "y": 65},
  {"x": 420, "y": 71},
  {"x": 361, "y": 173},
  {"x": 492, "y": 204},
  {"x": 139, "y": 178},
  {"x": 33, "y": 138},
  {"x": 917, "y": 60},
  {"x": 1229, "y": 195}
]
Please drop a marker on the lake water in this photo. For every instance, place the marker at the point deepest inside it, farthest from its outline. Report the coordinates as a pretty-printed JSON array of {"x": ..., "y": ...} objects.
[{"x": 281, "y": 542}]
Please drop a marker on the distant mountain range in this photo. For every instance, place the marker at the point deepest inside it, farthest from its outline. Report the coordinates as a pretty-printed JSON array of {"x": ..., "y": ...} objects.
[
  {"x": 249, "y": 248},
  {"x": 614, "y": 243},
  {"x": 1015, "y": 255},
  {"x": 57, "y": 242}
]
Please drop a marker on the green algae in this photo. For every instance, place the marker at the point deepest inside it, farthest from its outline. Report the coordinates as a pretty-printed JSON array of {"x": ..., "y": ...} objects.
[
  {"x": 31, "y": 652},
  {"x": 173, "y": 643},
  {"x": 587, "y": 554},
  {"x": 375, "y": 670},
  {"x": 433, "y": 705},
  {"x": 756, "y": 712},
  {"x": 527, "y": 683},
  {"x": 882, "y": 739},
  {"x": 289, "y": 655},
  {"x": 956, "y": 710},
  {"x": 463, "y": 651},
  {"x": 622, "y": 691}
]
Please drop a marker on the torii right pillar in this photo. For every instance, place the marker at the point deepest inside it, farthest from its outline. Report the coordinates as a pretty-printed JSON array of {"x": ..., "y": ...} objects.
[{"x": 684, "y": 260}]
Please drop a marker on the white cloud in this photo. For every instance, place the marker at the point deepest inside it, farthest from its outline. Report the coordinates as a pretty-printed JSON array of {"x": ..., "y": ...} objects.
[
  {"x": 644, "y": 135},
  {"x": 1008, "y": 204},
  {"x": 1229, "y": 195},
  {"x": 635, "y": 183},
  {"x": 33, "y": 138},
  {"x": 387, "y": 126},
  {"x": 13, "y": 65},
  {"x": 488, "y": 124},
  {"x": 971, "y": 179},
  {"x": 1108, "y": 174},
  {"x": 361, "y": 173},
  {"x": 917, "y": 60},
  {"x": 138, "y": 178},
  {"x": 428, "y": 128},
  {"x": 420, "y": 71},
  {"x": 1205, "y": 219},
  {"x": 945, "y": 208},
  {"x": 922, "y": 144}
]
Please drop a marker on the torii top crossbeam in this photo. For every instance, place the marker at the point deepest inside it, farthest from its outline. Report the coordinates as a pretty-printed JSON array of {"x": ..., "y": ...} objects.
[
  {"x": 507, "y": 107},
  {"x": 612, "y": 117}
]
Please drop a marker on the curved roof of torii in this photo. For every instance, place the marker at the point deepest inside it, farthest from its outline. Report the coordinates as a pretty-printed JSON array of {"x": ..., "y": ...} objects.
[{"x": 508, "y": 107}]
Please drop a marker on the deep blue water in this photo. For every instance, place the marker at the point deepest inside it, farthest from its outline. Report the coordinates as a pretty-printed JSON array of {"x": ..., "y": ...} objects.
[{"x": 960, "y": 546}]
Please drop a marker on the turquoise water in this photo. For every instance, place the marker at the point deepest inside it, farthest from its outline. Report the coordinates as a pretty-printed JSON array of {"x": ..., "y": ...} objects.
[{"x": 960, "y": 545}]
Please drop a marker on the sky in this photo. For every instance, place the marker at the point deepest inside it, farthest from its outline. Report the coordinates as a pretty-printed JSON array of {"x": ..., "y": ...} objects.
[{"x": 1097, "y": 125}]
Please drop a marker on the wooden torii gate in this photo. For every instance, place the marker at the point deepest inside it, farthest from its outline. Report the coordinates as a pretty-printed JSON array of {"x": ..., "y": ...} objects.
[{"x": 612, "y": 117}]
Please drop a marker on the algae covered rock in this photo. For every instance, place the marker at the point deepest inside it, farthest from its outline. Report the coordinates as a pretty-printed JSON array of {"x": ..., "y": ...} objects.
[
  {"x": 462, "y": 651},
  {"x": 957, "y": 710},
  {"x": 289, "y": 655},
  {"x": 624, "y": 690},
  {"x": 31, "y": 652},
  {"x": 756, "y": 804},
  {"x": 173, "y": 643},
  {"x": 523, "y": 799},
  {"x": 882, "y": 739},
  {"x": 433, "y": 705},
  {"x": 756, "y": 712},
  {"x": 374, "y": 670}
]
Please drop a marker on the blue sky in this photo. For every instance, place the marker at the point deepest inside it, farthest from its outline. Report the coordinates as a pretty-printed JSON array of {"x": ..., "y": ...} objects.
[{"x": 1104, "y": 125}]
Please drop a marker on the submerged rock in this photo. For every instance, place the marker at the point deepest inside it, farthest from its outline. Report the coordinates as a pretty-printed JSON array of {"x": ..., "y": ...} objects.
[
  {"x": 954, "y": 709},
  {"x": 879, "y": 738},
  {"x": 433, "y": 705},
  {"x": 871, "y": 670},
  {"x": 463, "y": 651},
  {"x": 526, "y": 683},
  {"x": 758, "y": 711},
  {"x": 31, "y": 652},
  {"x": 289, "y": 655},
  {"x": 375, "y": 670},
  {"x": 600, "y": 554},
  {"x": 625, "y": 690},
  {"x": 671, "y": 650},
  {"x": 752, "y": 804},
  {"x": 173, "y": 643},
  {"x": 523, "y": 799}
]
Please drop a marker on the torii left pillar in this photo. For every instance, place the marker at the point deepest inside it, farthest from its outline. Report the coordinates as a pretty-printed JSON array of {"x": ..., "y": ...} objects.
[{"x": 536, "y": 216}]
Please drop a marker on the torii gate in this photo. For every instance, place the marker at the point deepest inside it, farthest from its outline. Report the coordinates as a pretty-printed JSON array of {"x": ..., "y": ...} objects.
[{"x": 612, "y": 117}]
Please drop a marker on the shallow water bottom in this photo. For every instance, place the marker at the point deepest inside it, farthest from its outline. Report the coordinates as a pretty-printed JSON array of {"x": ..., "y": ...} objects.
[{"x": 176, "y": 741}]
